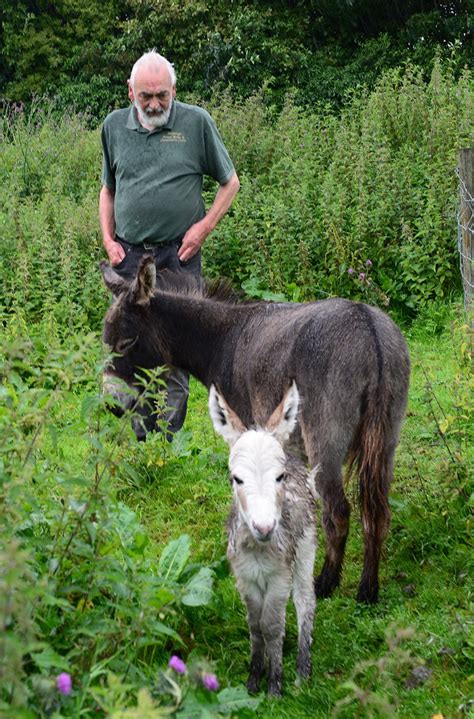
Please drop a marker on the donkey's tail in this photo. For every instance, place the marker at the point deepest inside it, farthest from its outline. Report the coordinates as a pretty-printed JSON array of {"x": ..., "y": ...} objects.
[{"x": 370, "y": 458}]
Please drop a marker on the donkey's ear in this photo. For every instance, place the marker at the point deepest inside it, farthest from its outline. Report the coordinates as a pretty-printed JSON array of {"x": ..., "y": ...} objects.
[
  {"x": 283, "y": 420},
  {"x": 113, "y": 281},
  {"x": 224, "y": 419},
  {"x": 145, "y": 282}
]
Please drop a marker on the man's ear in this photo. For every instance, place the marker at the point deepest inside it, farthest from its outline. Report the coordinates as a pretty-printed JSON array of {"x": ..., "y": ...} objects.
[
  {"x": 225, "y": 421},
  {"x": 283, "y": 420},
  {"x": 131, "y": 94}
]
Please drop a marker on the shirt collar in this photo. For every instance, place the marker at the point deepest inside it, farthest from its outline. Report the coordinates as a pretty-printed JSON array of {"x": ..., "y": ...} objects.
[{"x": 133, "y": 123}]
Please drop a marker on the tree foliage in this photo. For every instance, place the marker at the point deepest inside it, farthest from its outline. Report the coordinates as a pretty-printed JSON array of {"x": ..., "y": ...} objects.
[{"x": 82, "y": 50}]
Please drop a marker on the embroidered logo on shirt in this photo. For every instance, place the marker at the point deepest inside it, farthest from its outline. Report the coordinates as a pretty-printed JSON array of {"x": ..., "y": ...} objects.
[{"x": 173, "y": 137}]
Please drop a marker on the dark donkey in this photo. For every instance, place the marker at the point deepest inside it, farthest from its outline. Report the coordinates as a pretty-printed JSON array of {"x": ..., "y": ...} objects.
[{"x": 349, "y": 360}]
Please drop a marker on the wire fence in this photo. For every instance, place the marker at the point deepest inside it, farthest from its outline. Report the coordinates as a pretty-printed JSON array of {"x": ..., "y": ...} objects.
[{"x": 466, "y": 229}]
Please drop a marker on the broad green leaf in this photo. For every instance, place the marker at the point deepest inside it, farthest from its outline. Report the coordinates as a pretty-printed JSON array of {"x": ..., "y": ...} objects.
[
  {"x": 175, "y": 557},
  {"x": 198, "y": 590},
  {"x": 49, "y": 659},
  {"x": 232, "y": 699}
]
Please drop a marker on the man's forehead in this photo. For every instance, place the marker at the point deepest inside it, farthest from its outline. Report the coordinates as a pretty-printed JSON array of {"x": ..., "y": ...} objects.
[{"x": 152, "y": 77}]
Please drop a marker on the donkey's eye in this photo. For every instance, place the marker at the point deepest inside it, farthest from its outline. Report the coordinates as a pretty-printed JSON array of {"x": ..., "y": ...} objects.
[
  {"x": 237, "y": 480},
  {"x": 280, "y": 478},
  {"x": 127, "y": 344}
]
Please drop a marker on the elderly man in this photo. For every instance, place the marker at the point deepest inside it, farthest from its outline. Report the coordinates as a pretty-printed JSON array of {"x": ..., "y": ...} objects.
[{"x": 155, "y": 155}]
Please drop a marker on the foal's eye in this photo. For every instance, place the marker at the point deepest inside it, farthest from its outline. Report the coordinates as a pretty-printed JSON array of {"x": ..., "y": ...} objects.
[
  {"x": 280, "y": 478},
  {"x": 127, "y": 344},
  {"x": 237, "y": 480}
]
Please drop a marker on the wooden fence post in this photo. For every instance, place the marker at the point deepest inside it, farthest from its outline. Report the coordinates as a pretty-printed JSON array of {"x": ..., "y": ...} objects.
[{"x": 466, "y": 231}]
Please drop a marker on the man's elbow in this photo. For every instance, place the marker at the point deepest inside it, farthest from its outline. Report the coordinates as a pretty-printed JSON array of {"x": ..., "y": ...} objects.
[
  {"x": 106, "y": 193},
  {"x": 234, "y": 184}
]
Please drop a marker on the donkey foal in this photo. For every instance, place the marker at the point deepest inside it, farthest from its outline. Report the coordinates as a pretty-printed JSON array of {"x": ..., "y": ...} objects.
[{"x": 272, "y": 535}]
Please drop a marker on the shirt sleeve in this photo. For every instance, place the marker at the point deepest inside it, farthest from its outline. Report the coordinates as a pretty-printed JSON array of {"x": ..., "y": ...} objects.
[
  {"x": 108, "y": 177},
  {"x": 218, "y": 163}
]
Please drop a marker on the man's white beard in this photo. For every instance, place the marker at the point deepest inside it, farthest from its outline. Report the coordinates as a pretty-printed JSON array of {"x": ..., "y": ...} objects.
[{"x": 154, "y": 120}]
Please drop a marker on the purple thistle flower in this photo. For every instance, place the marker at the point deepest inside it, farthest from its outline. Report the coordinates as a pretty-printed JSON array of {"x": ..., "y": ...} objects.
[
  {"x": 350, "y": 271},
  {"x": 362, "y": 276},
  {"x": 211, "y": 682},
  {"x": 368, "y": 263},
  {"x": 64, "y": 683},
  {"x": 177, "y": 664}
]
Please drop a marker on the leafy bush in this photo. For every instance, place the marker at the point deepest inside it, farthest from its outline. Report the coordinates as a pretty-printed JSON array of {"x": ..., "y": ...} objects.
[
  {"x": 81, "y": 589},
  {"x": 377, "y": 183},
  {"x": 320, "y": 195}
]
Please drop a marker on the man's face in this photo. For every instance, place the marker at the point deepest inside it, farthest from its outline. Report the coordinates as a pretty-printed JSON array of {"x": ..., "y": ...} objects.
[{"x": 152, "y": 95}]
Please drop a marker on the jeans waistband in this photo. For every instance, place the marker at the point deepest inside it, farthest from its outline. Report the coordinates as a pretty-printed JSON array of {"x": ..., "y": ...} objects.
[{"x": 150, "y": 245}]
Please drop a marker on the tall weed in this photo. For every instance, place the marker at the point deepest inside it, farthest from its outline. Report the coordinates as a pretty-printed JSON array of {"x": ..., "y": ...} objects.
[
  {"x": 81, "y": 588},
  {"x": 321, "y": 195}
]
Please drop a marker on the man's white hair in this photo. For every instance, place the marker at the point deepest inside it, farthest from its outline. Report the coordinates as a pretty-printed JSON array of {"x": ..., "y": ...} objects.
[{"x": 152, "y": 59}]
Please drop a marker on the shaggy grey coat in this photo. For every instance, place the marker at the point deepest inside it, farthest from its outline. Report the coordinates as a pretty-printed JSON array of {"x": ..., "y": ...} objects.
[{"x": 268, "y": 572}]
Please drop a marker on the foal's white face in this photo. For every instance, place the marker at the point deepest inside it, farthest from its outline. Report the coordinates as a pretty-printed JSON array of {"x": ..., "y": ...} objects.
[
  {"x": 257, "y": 470},
  {"x": 257, "y": 460}
]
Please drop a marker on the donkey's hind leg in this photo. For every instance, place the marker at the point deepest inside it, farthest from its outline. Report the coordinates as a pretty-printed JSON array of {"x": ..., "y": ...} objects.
[{"x": 335, "y": 519}]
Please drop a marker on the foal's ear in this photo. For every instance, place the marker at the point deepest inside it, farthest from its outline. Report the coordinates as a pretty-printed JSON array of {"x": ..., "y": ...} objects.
[
  {"x": 144, "y": 285},
  {"x": 224, "y": 419},
  {"x": 113, "y": 281},
  {"x": 283, "y": 420}
]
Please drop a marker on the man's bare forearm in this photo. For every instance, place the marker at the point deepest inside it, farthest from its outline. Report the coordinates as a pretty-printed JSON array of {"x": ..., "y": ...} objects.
[
  {"x": 107, "y": 225},
  {"x": 222, "y": 201},
  {"x": 197, "y": 233}
]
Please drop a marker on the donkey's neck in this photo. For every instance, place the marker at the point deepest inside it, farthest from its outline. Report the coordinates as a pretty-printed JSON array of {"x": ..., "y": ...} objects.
[{"x": 192, "y": 332}]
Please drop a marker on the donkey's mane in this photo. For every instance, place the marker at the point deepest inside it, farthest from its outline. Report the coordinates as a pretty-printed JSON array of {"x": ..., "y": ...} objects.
[
  {"x": 178, "y": 283},
  {"x": 221, "y": 290},
  {"x": 185, "y": 284}
]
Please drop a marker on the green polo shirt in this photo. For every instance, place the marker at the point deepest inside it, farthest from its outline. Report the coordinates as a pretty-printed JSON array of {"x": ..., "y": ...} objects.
[{"x": 157, "y": 176}]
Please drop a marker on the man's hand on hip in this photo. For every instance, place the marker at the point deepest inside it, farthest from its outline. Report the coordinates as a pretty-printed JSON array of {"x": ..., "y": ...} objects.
[
  {"x": 193, "y": 240},
  {"x": 115, "y": 252}
]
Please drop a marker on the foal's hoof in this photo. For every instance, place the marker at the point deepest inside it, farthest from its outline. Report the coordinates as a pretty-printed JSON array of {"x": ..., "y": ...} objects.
[
  {"x": 274, "y": 690},
  {"x": 253, "y": 685},
  {"x": 302, "y": 679}
]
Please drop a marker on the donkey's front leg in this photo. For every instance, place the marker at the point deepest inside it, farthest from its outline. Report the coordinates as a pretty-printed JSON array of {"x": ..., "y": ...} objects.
[
  {"x": 305, "y": 600},
  {"x": 273, "y": 629},
  {"x": 254, "y": 603}
]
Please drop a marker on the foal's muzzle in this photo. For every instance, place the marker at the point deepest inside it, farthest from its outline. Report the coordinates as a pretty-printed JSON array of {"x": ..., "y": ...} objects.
[{"x": 263, "y": 532}]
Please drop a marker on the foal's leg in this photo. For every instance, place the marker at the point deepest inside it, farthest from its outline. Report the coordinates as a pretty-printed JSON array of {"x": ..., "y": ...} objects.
[
  {"x": 305, "y": 600},
  {"x": 335, "y": 519},
  {"x": 254, "y": 602},
  {"x": 273, "y": 629}
]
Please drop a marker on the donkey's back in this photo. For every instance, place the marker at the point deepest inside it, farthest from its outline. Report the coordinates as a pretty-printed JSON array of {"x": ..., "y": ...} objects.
[
  {"x": 333, "y": 349},
  {"x": 351, "y": 364}
]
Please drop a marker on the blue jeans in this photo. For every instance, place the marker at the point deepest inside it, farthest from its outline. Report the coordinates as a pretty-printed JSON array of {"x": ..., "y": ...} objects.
[{"x": 177, "y": 381}]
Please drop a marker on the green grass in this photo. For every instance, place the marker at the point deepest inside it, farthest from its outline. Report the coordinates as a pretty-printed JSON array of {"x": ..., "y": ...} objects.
[
  {"x": 425, "y": 580},
  {"x": 424, "y": 617}
]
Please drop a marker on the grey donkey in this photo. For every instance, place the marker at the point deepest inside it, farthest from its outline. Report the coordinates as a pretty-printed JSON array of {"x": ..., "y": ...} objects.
[{"x": 272, "y": 535}]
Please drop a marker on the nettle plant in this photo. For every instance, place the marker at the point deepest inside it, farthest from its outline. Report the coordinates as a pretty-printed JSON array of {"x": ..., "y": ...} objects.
[{"x": 84, "y": 592}]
